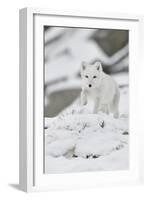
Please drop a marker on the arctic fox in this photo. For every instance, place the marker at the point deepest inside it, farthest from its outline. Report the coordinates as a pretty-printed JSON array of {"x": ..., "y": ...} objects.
[{"x": 100, "y": 87}]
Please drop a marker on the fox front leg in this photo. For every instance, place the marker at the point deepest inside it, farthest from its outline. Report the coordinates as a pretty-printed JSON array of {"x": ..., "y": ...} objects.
[
  {"x": 104, "y": 108},
  {"x": 96, "y": 106},
  {"x": 83, "y": 97}
]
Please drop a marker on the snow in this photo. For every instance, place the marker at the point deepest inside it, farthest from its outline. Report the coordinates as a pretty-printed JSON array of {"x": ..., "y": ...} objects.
[
  {"x": 117, "y": 160},
  {"x": 115, "y": 57},
  {"x": 76, "y": 141},
  {"x": 121, "y": 78},
  {"x": 64, "y": 145},
  {"x": 53, "y": 33}
]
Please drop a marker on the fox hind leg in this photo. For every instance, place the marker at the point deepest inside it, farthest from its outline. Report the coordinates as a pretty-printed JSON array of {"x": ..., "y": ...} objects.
[
  {"x": 116, "y": 113},
  {"x": 115, "y": 105}
]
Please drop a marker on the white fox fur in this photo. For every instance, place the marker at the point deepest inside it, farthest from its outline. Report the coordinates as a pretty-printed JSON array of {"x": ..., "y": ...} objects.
[{"x": 100, "y": 87}]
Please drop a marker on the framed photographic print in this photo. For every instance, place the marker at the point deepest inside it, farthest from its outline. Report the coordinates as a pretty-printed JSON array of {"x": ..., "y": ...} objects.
[{"x": 80, "y": 124}]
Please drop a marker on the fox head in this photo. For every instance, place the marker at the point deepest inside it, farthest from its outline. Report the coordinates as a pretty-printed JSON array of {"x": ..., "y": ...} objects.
[{"x": 91, "y": 74}]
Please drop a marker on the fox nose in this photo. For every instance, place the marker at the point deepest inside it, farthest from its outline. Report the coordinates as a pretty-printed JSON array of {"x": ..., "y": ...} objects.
[{"x": 90, "y": 85}]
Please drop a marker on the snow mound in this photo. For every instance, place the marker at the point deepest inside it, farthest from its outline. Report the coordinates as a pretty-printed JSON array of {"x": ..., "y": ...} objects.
[
  {"x": 60, "y": 147},
  {"x": 88, "y": 135},
  {"x": 98, "y": 145}
]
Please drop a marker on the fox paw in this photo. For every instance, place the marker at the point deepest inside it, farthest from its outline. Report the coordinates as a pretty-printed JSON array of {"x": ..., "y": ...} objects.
[
  {"x": 102, "y": 123},
  {"x": 92, "y": 156},
  {"x": 84, "y": 102}
]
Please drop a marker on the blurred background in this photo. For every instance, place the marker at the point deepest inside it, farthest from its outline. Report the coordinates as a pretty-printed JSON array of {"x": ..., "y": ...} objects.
[{"x": 66, "y": 48}]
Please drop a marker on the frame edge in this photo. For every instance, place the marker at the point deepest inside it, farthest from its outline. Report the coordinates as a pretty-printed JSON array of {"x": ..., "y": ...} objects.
[
  {"x": 24, "y": 166},
  {"x": 22, "y": 99},
  {"x": 26, "y": 100}
]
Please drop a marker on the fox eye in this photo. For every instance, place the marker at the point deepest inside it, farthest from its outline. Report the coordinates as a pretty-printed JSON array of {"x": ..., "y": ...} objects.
[
  {"x": 86, "y": 76},
  {"x": 94, "y": 76}
]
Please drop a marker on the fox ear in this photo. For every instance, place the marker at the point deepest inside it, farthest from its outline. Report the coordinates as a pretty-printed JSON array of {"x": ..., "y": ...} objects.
[
  {"x": 84, "y": 64},
  {"x": 98, "y": 65}
]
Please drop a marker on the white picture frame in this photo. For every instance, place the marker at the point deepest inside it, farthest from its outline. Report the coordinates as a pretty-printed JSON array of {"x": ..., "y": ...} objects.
[{"x": 31, "y": 174}]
